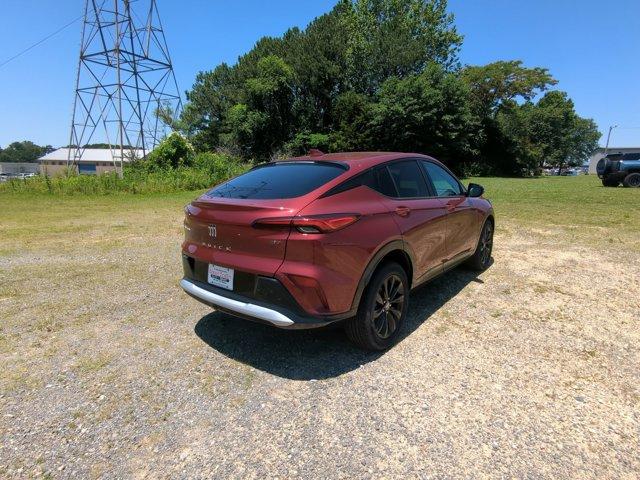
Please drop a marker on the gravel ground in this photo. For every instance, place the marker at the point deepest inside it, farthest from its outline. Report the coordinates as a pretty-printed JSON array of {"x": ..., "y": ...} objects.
[{"x": 110, "y": 371}]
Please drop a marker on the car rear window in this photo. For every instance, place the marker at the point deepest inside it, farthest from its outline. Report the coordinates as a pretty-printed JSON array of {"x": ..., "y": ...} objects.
[{"x": 279, "y": 180}]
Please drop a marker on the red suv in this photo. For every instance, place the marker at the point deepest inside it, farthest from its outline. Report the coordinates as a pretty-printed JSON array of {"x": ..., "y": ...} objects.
[{"x": 306, "y": 242}]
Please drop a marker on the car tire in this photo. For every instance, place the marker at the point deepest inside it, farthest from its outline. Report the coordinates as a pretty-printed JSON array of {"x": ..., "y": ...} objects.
[
  {"x": 481, "y": 258},
  {"x": 632, "y": 180},
  {"x": 608, "y": 182},
  {"x": 382, "y": 309}
]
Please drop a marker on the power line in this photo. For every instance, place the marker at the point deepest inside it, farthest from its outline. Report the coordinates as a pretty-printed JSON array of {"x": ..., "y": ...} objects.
[{"x": 40, "y": 41}]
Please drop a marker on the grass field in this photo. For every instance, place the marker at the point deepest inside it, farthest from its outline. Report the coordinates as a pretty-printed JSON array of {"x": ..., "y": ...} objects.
[
  {"x": 576, "y": 206},
  {"x": 108, "y": 369},
  {"x": 579, "y": 207}
]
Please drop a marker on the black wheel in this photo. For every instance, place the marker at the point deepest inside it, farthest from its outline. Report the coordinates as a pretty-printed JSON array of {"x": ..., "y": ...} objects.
[
  {"x": 382, "y": 309},
  {"x": 481, "y": 258},
  {"x": 632, "y": 180},
  {"x": 610, "y": 182}
]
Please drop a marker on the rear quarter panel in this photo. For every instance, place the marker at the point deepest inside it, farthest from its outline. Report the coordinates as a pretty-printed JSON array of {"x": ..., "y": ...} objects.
[{"x": 336, "y": 260}]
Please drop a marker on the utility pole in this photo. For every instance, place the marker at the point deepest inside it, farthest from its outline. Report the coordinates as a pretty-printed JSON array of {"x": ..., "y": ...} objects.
[
  {"x": 606, "y": 148},
  {"x": 124, "y": 77}
]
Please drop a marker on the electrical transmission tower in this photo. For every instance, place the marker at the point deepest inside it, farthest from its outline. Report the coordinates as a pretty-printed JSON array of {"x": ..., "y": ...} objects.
[{"x": 125, "y": 79}]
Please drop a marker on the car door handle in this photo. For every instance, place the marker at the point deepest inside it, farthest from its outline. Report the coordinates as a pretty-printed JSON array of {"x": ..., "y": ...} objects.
[
  {"x": 451, "y": 206},
  {"x": 403, "y": 211}
]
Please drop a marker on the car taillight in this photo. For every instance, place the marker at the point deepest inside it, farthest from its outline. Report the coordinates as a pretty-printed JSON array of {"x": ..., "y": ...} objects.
[
  {"x": 324, "y": 223},
  {"x": 312, "y": 223}
]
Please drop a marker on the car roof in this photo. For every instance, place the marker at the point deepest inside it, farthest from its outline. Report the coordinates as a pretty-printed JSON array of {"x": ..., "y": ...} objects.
[{"x": 357, "y": 161}]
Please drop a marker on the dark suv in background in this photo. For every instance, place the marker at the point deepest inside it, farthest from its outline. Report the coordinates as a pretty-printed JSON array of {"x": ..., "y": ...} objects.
[{"x": 619, "y": 168}]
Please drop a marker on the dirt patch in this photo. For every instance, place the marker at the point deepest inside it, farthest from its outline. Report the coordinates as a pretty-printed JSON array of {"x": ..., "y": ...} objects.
[{"x": 109, "y": 370}]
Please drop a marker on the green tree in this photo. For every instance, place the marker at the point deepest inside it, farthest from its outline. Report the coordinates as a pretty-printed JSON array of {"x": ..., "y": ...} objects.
[
  {"x": 565, "y": 138},
  {"x": 262, "y": 124},
  {"x": 496, "y": 90},
  {"x": 428, "y": 113},
  {"x": 355, "y": 47},
  {"x": 352, "y": 129},
  {"x": 384, "y": 74},
  {"x": 208, "y": 102},
  {"x": 302, "y": 142},
  {"x": 548, "y": 133},
  {"x": 25, "y": 151},
  {"x": 496, "y": 83},
  {"x": 390, "y": 38},
  {"x": 318, "y": 59},
  {"x": 583, "y": 139},
  {"x": 510, "y": 145}
]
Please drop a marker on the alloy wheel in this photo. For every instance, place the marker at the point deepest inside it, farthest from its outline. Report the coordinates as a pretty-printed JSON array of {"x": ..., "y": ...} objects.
[
  {"x": 388, "y": 307},
  {"x": 486, "y": 244}
]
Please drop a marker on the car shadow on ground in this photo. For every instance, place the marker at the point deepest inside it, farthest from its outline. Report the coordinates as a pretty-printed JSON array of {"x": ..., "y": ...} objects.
[{"x": 317, "y": 354}]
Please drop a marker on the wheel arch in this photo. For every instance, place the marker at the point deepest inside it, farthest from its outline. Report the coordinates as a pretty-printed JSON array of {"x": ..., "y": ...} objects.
[
  {"x": 395, "y": 251},
  {"x": 491, "y": 218}
]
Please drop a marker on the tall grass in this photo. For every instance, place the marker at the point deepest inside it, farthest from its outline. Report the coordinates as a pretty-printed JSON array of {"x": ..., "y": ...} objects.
[{"x": 208, "y": 170}]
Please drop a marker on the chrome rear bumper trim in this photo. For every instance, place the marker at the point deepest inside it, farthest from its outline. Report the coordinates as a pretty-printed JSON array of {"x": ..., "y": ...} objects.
[{"x": 249, "y": 309}]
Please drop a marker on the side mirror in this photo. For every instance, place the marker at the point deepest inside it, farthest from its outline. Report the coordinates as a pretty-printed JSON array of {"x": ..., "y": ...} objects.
[{"x": 475, "y": 190}]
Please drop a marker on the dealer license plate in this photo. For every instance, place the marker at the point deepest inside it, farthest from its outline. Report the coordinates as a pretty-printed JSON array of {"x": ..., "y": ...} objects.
[{"x": 220, "y": 276}]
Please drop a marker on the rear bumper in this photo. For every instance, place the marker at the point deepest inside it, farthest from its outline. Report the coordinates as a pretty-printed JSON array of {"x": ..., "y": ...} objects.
[
  {"x": 236, "y": 306},
  {"x": 253, "y": 309},
  {"x": 254, "y": 297}
]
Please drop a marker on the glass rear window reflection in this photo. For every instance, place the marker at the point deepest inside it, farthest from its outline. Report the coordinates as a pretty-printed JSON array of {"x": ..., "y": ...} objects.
[{"x": 278, "y": 181}]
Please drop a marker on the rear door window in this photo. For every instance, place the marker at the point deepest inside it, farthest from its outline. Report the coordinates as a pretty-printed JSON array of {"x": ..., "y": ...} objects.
[
  {"x": 377, "y": 179},
  {"x": 380, "y": 180},
  {"x": 279, "y": 180},
  {"x": 408, "y": 179}
]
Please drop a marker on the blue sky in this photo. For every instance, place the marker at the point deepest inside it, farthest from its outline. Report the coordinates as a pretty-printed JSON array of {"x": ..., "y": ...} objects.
[{"x": 591, "y": 47}]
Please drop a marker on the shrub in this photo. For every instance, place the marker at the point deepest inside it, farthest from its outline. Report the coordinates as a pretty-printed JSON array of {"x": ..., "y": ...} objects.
[
  {"x": 173, "y": 152},
  {"x": 171, "y": 167},
  {"x": 218, "y": 165}
]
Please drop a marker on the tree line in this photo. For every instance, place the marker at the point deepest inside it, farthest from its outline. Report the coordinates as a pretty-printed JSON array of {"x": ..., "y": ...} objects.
[
  {"x": 25, "y": 151},
  {"x": 385, "y": 75}
]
